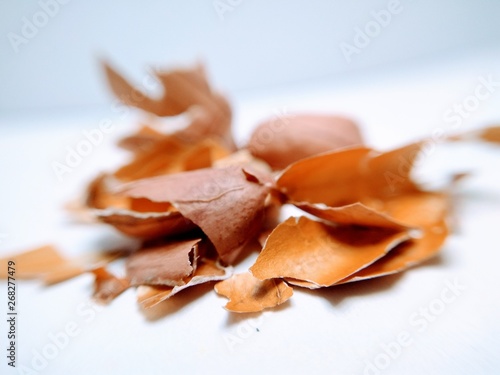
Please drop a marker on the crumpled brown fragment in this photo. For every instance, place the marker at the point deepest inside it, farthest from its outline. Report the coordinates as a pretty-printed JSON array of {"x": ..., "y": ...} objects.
[
  {"x": 249, "y": 294},
  {"x": 169, "y": 155},
  {"x": 142, "y": 140},
  {"x": 406, "y": 254},
  {"x": 332, "y": 178},
  {"x": 207, "y": 271},
  {"x": 489, "y": 134},
  {"x": 100, "y": 194},
  {"x": 107, "y": 286},
  {"x": 349, "y": 176},
  {"x": 353, "y": 214},
  {"x": 146, "y": 225},
  {"x": 46, "y": 263},
  {"x": 167, "y": 264},
  {"x": 244, "y": 158},
  {"x": 43, "y": 262},
  {"x": 227, "y": 203},
  {"x": 306, "y": 250},
  {"x": 140, "y": 218},
  {"x": 283, "y": 140},
  {"x": 184, "y": 91},
  {"x": 425, "y": 210}
]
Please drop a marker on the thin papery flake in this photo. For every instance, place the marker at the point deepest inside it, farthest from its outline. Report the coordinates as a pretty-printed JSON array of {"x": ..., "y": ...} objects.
[
  {"x": 406, "y": 254},
  {"x": 249, "y": 294},
  {"x": 169, "y": 155},
  {"x": 44, "y": 263},
  {"x": 146, "y": 225},
  {"x": 35, "y": 263},
  {"x": 107, "y": 286},
  {"x": 285, "y": 139},
  {"x": 47, "y": 263},
  {"x": 166, "y": 264},
  {"x": 227, "y": 204},
  {"x": 207, "y": 271},
  {"x": 426, "y": 210},
  {"x": 311, "y": 251},
  {"x": 353, "y": 214},
  {"x": 349, "y": 176},
  {"x": 489, "y": 134},
  {"x": 184, "y": 91}
]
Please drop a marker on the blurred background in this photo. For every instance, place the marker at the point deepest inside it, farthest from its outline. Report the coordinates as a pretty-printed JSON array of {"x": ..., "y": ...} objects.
[{"x": 50, "y": 48}]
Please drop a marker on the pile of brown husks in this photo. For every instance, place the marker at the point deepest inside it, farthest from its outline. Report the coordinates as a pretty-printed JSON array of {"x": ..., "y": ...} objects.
[{"x": 200, "y": 204}]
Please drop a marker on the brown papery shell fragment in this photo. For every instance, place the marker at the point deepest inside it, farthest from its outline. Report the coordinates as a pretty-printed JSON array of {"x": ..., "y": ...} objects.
[
  {"x": 283, "y": 140},
  {"x": 107, "y": 286},
  {"x": 353, "y": 214},
  {"x": 349, "y": 176},
  {"x": 425, "y": 210},
  {"x": 405, "y": 255},
  {"x": 43, "y": 262},
  {"x": 249, "y": 294},
  {"x": 166, "y": 264},
  {"x": 184, "y": 91},
  {"x": 207, "y": 271},
  {"x": 311, "y": 251},
  {"x": 146, "y": 225},
  {"x": 332, "y": 179},
  {"x": 227, "y": 203},
  {"x": 490, "y": 134},
  {"x": 170, "y": 155}
]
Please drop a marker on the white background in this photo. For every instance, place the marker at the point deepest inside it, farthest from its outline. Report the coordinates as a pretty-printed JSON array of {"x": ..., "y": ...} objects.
[
  {"x": 269, "y": 58},
  {"x": 256, "y": 45}
]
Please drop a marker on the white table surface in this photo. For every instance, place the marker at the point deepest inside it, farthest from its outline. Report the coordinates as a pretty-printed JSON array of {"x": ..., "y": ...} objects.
[{"x": 341, "y": 330}]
